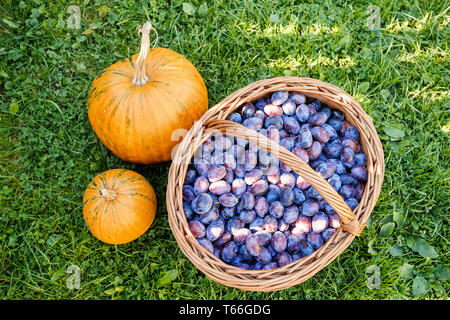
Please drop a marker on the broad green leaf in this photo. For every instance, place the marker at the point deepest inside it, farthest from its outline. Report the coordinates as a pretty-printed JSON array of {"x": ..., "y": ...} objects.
[
  {"x": 399, "y": 219},
  {"x": 385, "y": 93},
  {"x": 442, "y": 272},
  {"x": 203, "y": 9},
  {"x": 88, "y": 31},
  {"x": 420, "y": 286},
  {"x": 371, "y": 250},
  {"x": 395, "y": 132},
  {"x": 110, "y": 292},
  {"x": 406, "y": 271},
  {"x": 386, "y": 229},
  {"x": 119, "y": 288},
  {"x": 10, "y": 23},
  {"x": 410, "y": 241},
  {"x": 395, "y": 250},
  {"x": 103, "y": 10},
  {"x": 169, "y": 276},
  {"x": 13, "y": 107},
  {"x": 12, "y": 241},
  {"x": 188, "y": 8},
  {"x": 369, "y": 224},
  {"x": 364, "y": 86},
  {"x": 57, "y": 275},
  {"x": 274, "y": 18},
  {"x": 424, "y": 249}
]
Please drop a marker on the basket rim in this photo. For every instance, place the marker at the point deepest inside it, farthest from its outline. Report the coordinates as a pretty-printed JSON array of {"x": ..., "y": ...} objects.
[{"x": 337, "y": 99}]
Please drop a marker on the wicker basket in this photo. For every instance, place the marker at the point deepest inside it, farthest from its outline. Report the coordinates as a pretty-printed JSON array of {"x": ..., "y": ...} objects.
[{"x": 352, "y": 223}]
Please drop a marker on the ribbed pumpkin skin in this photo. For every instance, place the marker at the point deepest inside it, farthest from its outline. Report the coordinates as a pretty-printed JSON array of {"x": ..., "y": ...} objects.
[
  {"x": 128, "y": 215},
  {"x": 137, "y": 122}
]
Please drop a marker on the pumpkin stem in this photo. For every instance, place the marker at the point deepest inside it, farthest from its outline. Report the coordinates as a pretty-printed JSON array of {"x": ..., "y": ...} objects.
[
  {"x": 108, "y": 194},
  {"x": 140, "y": 78}
]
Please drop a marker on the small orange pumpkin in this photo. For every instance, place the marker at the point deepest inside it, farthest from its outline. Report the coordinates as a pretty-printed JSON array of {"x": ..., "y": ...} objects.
[
  {"x": 119, "y": 205},
  {"x": 136, "y": 104}
]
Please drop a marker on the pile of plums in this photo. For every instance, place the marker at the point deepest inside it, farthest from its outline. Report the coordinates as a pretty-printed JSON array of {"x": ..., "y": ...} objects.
[{"x": 250, "y": 209}]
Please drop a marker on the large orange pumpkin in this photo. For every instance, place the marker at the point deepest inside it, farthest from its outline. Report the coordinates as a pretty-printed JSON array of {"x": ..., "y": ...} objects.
[
  {"x": 119, "y": 205},
  {"x": 136, "y": 104}
]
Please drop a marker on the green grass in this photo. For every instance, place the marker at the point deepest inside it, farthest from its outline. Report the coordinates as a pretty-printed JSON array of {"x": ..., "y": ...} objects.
[{"x": 49, "y": 153}]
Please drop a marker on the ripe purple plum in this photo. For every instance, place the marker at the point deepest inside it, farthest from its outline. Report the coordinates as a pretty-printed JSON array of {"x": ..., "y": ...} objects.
[
  {"x": 228, "y": 200},
  {"x": 283, "y": 259},
  {"x": 210, "y": 216},
  {"x": 215, "y": 230},
  {"x": 299, "y": 196},
  {"x": 202, "y": 203},
  {"x": 264, "y": 236},
  {"x": 297, "y": 98},
  {"x": 334, "y": 220},
  {"x": 348, "y": 157},
  {"x": 359, "y": 173},
  {"x": 240, "y": 235},
  {"x": 328, "y": 233},
  {"x": 264, "y": 256},
  {"x": 333, "y": 150},
  {"x": 289, "y": 107},
  {"x": 291, "y": 214},
  {"x": 318, "y": 119},
  {"x": 279, "y": 97},
  {"x": 347, "y": 191},
  {"x": 302, "y": 184},
  {"x": 235, "y": 117},
  {"x": 287, "y": 197},
  {"x": 248, "y": 110},
  {"x": 270, "y": 224},
  {"x": 279, "y": 242},
  {"x": 302, "y": 113},
  {"x": 202, "y": 166},
  {"x": 319, "y": 222},
  {"x": 253, "y": 245},
  {"x": 314, "y": 239},
  {"x": 293, "y": 244},
  {"x": 201, "y": 185},
  {"x": 351, "y": 144},
  {"x": 252, "y": 176},
  {"x": 188, "y": 193},
  {"x": 320, "y": 134},
  {"x": 220, "y": 187},
  {"x": 238, "y": 187},
  {"x": 352, "y": 133},
  {"x": 216, "y": 173},
  {"x": 257, "y": 225},
  {"x": 247, "y": 216},
  {"x": 305, "y": 138},
  {"x": 274, "y": 122},
  {"x": 301, "y": 153},
  {"x": 261, "y": 206},
  {"x": 253, "y": 123},
  {"x": 259, "y": 187},
  {"x": 191, "y": 174},
  {"x": 306, "y": 249},
  {"x": 291, "y": 125},
  {"x": 335, "y": 182},
  {"x": 326, "y": 170},
  {"x": 227, "y": 213},
  {"x": 288, "y": 143},
  {"x": 229, "y": 252},
  {"x": 315, "y": 150},
  {"x": 273, "y": 193},
  {"x": 273, "y": 110},
  {"x": 310, "y": 207},
  {"x": 197, "y": 228}
]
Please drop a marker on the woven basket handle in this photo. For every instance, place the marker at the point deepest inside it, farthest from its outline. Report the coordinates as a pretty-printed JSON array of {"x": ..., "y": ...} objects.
[{"x": 348, "y": 221}]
